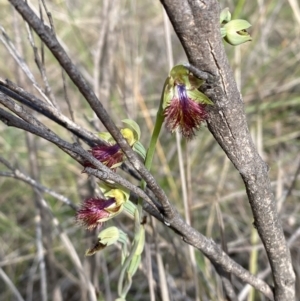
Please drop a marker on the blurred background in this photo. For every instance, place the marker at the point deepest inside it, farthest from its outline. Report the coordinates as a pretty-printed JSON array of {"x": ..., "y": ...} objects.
[{"x": 124, "y": 49}]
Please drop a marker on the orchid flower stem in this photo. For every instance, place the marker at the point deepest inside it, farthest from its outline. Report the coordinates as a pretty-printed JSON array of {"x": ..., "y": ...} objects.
[
  {"x": 125, "y": 281},
  {"x": 158, "y": 124},
  {"x": 155, "y": 134},
  {"x": 151, "y": 149},
  {"x": 148, "y": 162}
]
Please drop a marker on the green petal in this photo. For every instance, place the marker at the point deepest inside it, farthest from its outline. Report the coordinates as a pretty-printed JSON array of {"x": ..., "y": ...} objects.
[
  {"x": 237, "y": 25},
  {"x": 225, "y": 15},
  {"x": 130, "y": 135},
  {"x": 107, "y": 189},
  {"x": 237, "y": 39},
  {"x": 112, "y": 214},
  {"x": 109, "y": 236},
  {"x": 236, "y": 32},
  {"x": 120, "y": 194},
  {"x": 199, "y": 97}
]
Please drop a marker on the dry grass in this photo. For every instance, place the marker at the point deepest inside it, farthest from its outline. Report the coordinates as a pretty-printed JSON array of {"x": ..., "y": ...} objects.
[{"x": 121, "y": 49}]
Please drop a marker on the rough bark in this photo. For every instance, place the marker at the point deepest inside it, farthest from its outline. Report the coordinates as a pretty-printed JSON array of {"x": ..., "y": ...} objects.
[{"x": 197, "y": 26}]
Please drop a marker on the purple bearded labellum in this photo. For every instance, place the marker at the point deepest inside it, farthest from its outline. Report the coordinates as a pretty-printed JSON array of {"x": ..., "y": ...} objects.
[
  {"x": 93, "y": 212},
  {"x": 184, "y": 113},
  {"x": 110, "y": 155},
  {"x": 183, "y": 104}
]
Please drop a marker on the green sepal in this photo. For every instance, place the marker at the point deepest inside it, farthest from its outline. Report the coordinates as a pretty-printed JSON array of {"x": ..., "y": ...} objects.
[
  {"x": 223, "y": 32},
  {"x": 139, "y": 148},
  {"x": 179, "y": 72},
  {"x": 130, "y": 208},
  {"x": 168, "y": 92}
]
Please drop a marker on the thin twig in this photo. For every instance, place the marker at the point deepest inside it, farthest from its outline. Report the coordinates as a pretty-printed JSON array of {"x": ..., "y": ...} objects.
[
  {"x": 189, "y": 234},
  {"x": 17, "y": 174},
  {"x": 11, "y": 285},
  {"x": 54, "y": 46},
  {"x": 227, "y": 123}
]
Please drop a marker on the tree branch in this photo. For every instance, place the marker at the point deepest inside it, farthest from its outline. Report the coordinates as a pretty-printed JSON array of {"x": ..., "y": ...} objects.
[
  {"x": 207, "y": 246},
  {"x": 189, "y": 235},
  {"x": 197, "y": 26},
  {"x": 104, "y": 173},
  {"x": 50, "y": 40}
]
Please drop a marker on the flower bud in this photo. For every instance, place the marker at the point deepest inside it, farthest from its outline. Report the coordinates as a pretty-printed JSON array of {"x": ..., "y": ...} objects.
[
  {"x": 109, "y": 236},
  {"x": 106, "y": 238},
  {"x": 236, "y": 32}
]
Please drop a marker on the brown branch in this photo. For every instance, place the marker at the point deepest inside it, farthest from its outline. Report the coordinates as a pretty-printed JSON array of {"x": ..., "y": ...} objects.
[
  {"x": 50, "y": 40},
  {"x": 189, "y": 235},
  {"x": 81, "y": 155},
  {"x": 197, "y": 26},
  {"x": 17, "y": 174},
  {"x": 14, "y": 91},
  {"x": 216, "y": 255},
  {"x": 36, "y": 104}
]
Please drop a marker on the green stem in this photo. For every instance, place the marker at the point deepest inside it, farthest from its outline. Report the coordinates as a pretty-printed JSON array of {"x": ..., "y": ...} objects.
[
  {"x": 123, "y": 288},
  {"x": 238, "y": 9},
  {"x": 158, "y": 124},
  {"x": 155, "y": 134}
]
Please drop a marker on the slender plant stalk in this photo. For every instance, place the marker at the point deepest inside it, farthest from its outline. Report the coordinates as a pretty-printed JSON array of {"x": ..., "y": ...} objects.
[
  {"x": 124, "y": 288},
  {"x": 157, "y": 127}
]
